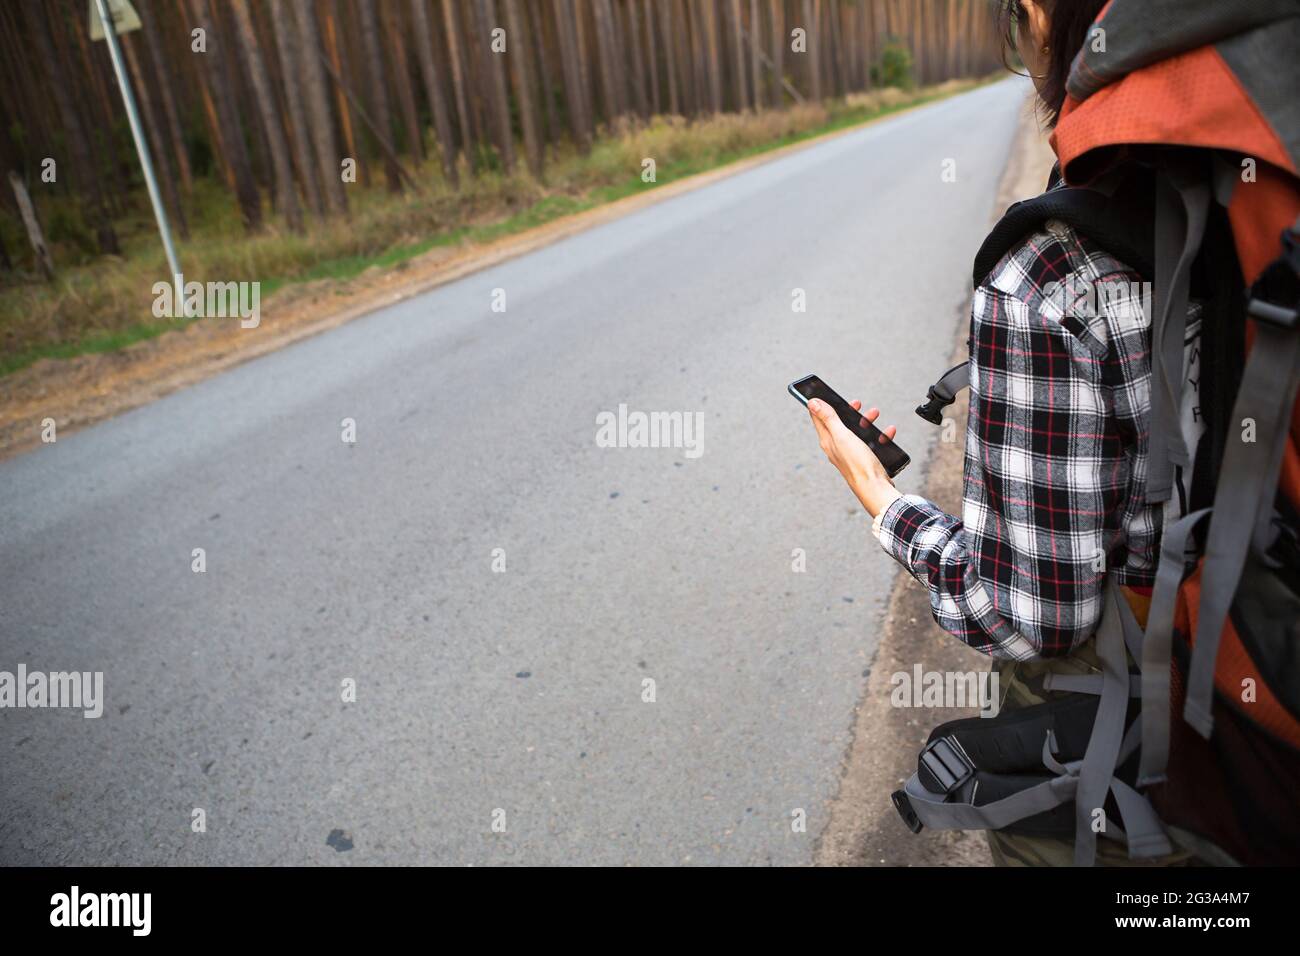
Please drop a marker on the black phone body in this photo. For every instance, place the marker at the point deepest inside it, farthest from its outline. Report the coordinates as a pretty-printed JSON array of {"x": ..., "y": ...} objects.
[{"x": 891, "y": 456}]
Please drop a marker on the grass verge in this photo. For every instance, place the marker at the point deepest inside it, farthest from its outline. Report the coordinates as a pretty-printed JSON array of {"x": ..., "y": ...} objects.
[{"x": 104, "y": 303}]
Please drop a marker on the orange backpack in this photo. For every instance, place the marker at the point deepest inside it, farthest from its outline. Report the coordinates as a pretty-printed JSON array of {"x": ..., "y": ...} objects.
[{"x": 1201, "y": 745}]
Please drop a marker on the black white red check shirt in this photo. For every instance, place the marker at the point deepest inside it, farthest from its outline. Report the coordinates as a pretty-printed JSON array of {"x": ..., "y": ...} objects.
[{"x": 1056, "y": 456}]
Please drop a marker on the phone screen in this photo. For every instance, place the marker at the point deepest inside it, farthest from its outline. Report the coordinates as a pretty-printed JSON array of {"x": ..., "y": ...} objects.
[{"x": 891, "y": 456}]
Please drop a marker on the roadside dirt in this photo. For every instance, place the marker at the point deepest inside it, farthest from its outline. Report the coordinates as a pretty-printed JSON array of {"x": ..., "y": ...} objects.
[
  {"x": 864, "y": 828},
  {"x": 80, "y": 391}
]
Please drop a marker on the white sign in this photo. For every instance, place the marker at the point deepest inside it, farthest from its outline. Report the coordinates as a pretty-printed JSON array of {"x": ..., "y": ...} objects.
[{"x": 123, "y": 14}]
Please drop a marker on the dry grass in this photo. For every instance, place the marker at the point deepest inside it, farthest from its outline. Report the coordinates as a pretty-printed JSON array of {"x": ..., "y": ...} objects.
[{"x": 102, "y": 303}]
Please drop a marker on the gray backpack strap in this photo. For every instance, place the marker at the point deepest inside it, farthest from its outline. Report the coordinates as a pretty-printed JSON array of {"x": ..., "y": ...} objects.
[
  {"x": 1132, "y": 740},
  {"x": 1143, "y": 831},
  {"x": 1086, "y": 683},
  {"x": 1157, "y": 648},
  {"x": 1102, "y": 754},
  {"x": 933, "y": 810},
  {"x": 1247, "y": 486},
  {"x": 1182, "y": 206}
]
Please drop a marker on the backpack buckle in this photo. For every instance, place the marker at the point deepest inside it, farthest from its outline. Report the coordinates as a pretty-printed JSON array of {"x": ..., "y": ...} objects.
[
  {"x": 1275, "y": 296},
  {"x": 932, "y": 409},
  {"x": 1264, "y": 311},
  {"x": 904, "y": 808},
  {"x": 944, "y": 766},
  {"x": 943, "y": 393}
]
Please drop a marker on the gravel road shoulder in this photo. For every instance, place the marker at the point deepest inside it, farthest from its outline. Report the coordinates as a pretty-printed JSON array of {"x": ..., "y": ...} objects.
[{"x": 864, "y": 828}]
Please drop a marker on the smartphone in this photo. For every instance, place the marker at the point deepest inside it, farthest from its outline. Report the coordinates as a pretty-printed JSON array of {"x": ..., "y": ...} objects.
[{"x": 891, "y": 456}]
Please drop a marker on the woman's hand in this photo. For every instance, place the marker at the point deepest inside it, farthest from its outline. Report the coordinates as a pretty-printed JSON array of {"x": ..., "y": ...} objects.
[{"x": 862, "y": 470}]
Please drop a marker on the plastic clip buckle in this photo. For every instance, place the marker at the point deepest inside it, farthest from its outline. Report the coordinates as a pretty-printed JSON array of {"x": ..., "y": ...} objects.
[
  {"x": 904, "y": 808},
  {"x": 947, "y": 765},
  {"x": 932, "y": 410}
]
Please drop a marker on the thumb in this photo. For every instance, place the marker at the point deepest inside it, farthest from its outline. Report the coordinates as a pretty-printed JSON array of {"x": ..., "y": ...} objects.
[{"x": 821, "y": 411}]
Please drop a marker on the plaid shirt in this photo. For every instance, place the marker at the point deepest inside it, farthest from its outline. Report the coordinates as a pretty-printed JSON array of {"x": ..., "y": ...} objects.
[{"x": 1056, "y": 456}]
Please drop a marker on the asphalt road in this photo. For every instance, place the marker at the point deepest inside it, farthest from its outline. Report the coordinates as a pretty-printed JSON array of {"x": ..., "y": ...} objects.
[{"x": 480, "y": 691}]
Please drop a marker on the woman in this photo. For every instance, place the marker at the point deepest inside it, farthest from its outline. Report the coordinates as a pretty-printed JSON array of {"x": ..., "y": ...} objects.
[{"x": 1056, "y": 449}]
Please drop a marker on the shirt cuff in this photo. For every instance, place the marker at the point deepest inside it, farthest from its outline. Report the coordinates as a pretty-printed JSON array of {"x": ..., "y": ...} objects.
[
  {"x": 898, "y": 525},
  {"x": 880, "y": 515}
]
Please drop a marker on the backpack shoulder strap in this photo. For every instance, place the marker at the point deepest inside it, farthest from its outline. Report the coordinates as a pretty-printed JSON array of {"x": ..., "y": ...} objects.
[
  {"x": 1243, "y": 506},
  {"x": 1115, "y": 212}
]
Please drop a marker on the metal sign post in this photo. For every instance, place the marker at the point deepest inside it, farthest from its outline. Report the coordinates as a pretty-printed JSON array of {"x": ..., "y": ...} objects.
[{"x": 124, "y": 18}]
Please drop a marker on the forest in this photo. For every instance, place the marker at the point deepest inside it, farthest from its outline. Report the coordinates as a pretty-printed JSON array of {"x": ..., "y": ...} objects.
[{"x": 322, "y": 130}]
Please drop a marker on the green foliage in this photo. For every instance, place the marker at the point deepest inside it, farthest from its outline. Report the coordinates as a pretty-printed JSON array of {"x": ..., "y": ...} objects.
[
  {"x": 64, "y": 225},
  {"x": 894, "y": 68}
]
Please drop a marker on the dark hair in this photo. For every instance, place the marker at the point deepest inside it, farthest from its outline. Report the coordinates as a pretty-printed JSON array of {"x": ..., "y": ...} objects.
[{"x": 1066, "y": 36}]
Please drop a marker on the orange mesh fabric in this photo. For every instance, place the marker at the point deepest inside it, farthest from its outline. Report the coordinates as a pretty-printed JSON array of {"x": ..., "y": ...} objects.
[
  {"x": 1233, "y": 667},
  {"x": 1192, "y": 99}
]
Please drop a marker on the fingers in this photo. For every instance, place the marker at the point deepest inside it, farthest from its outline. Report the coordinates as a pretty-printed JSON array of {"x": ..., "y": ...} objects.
[
  {"x": 870, "y": 415},
  {"x": 828, "y": 424},
  {"x": 819, "y": 412},
  {"x": 825, "y": 419}
]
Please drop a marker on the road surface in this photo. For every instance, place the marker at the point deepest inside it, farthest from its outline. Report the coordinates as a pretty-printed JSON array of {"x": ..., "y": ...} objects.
[{"x": 483, "y": 696}]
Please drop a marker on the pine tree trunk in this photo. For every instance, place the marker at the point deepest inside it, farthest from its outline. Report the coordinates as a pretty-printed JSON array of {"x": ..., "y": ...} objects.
[
  {"x": 32, "y": 225},
  {"x": 652, "y": 55},
  {"x": 227, "y": 116},
  {"x": 402, "y": 80},
  {"x": 810, "y": 9},
  {"x": 291, "y": 69},
  {"x": 175, "y": 134},
  {"x": 373, "y": 70},
  {"x": 709, "y": 13},
  {"x": 101, "y": 141},
  {"x": 571, "y": 58},
  {"x": 672, "y": 47},
  {"x": 521, "y": 77},
  {"x": 86, "y": 180},
  {"x": 229, "y": 50},
  {"x": 836, "y": 48},
  {"x": 873, "y": 40},
  {"x": 738, "y": 58},
  {"x": 264, "y": 96},
  {"x": 433, "y": 90},
  {"x": 638, "y": 60},
  {"x": 498, "y": 103},
  {"x": 536, "y": 15},
  {"x": 99, "y": 125},
  {"x": 779, "y": 40},
  {"x": 693, "y": 17},
  {"x": 144, "y": 95},
  {"x": 458, "y": 80},
  {"x": 610, "y": 76},
  {"x": 318, "y": 108},
  {"x": 341, "y": 62}
]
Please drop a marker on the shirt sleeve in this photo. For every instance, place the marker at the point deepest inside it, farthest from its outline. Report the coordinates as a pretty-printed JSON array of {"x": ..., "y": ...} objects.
[{"x": 1048, "y": 476}]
